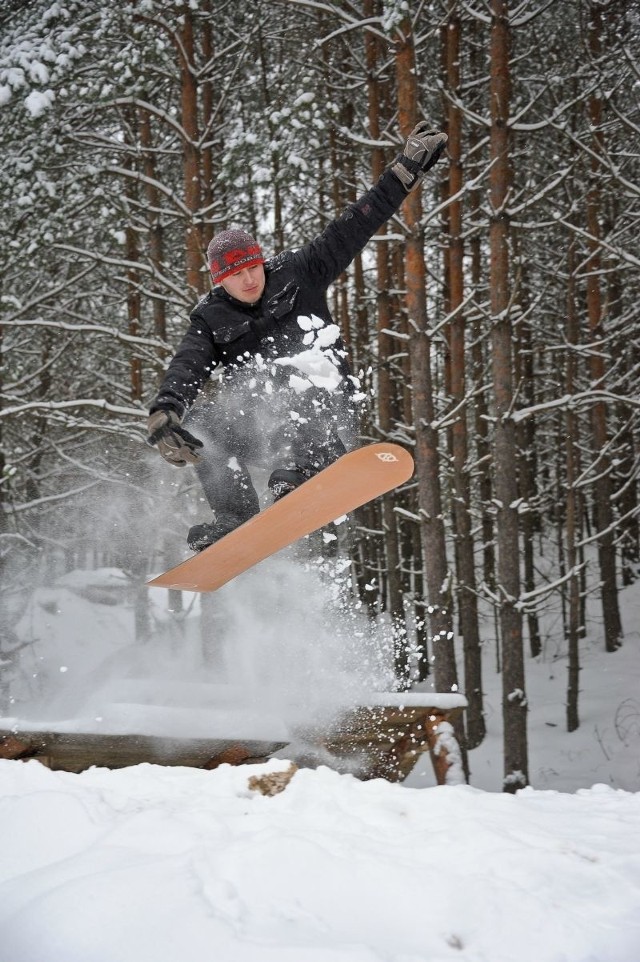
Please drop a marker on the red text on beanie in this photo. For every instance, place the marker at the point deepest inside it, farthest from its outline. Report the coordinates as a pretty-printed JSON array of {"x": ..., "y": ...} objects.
[{"x": 230, "y": 251}]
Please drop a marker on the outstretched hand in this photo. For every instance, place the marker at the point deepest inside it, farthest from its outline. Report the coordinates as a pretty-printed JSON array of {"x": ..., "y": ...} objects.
[
  {"x": 422, "y": 151},
  {"x": 176, "y": 445}
]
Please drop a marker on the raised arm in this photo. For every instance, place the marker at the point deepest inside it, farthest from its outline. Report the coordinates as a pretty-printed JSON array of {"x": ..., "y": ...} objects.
[{"x": 331, "y": 252}]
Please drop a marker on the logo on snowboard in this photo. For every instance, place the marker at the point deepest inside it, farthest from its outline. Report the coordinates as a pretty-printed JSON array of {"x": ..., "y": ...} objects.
[{"x": 386, "y": 456}]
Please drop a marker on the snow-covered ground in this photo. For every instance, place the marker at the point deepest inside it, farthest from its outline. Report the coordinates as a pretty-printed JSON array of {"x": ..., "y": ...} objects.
[{"x": 154, "y": 863}]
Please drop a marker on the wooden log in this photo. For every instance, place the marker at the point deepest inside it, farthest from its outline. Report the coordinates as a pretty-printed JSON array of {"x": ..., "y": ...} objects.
[
  {"x": 12, "y": 747},
  {"x": 77, "y": 751}
]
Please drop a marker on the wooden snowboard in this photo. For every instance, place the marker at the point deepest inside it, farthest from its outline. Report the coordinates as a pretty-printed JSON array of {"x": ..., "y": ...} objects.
[{"x": 348, "y": 483}]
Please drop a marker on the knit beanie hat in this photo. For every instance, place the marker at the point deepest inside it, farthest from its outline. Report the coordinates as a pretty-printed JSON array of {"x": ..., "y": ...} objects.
[{"x": 230, "y": 251}]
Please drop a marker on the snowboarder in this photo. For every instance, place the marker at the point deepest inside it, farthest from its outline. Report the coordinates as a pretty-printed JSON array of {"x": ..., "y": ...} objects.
[{"x": 285, "y": 393}]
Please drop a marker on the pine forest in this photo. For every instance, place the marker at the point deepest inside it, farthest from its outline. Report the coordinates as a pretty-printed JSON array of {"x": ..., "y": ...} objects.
[{"x": 494, "y": 323}]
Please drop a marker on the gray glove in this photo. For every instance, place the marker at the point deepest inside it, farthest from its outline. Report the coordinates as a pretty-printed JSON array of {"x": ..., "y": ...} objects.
[
  {"x": 176, "y": 445},
  {"x": 422, "y": 150}
]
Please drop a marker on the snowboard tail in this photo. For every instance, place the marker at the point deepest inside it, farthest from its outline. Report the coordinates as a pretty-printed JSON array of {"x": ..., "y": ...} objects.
[{"x": 354, "y": 479}]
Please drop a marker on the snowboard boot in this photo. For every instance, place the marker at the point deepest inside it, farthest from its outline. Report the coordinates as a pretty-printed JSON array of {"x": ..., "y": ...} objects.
[
  {"x": 283, "y": 481},
  {"x": 202, "y": 535}
]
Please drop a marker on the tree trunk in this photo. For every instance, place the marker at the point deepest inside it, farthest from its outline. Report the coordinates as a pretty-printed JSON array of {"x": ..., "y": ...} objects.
[
  {"x": 154, "y": 219},
  {"x": 602, "y": 463},
  {"x": 207, "y": 127},
  {"x": 274, "y": 155},
  {"x": 395, "y": 598},
  {"x": 133, "y": 274},
  {"x": 480, "y": 433},
  {"x": 514, "y": 702},
  {"x": 191, "y": 166},
  {"x": 627, "y": 454},
  {"x": 571, "y": 452},
  {"x": 427, "y": 456},
  {"x": 466, "y": 593},
  {"x": 525, "y": 440}
]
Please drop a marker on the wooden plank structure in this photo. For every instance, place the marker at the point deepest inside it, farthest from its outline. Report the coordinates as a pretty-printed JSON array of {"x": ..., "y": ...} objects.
[
  {"x": 386, "y": 741},
  {"x": 372, "y": 741}
]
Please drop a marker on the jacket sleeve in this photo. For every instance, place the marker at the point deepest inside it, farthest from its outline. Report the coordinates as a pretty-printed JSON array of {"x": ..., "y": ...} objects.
[
  {"x": 329, "y": 254},
  {"x": 189, "y": 368}
]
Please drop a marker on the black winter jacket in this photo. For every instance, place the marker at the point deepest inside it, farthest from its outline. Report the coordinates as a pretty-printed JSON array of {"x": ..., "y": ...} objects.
[{"x": 296, "y": 283}]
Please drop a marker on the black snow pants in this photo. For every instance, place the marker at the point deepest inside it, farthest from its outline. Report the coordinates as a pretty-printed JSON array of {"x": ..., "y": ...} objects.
[{"x": 253, "y": 423}]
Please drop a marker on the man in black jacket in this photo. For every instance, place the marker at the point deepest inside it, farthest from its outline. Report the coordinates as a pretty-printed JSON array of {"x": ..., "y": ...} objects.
[{"x": 285, "y": 393}]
